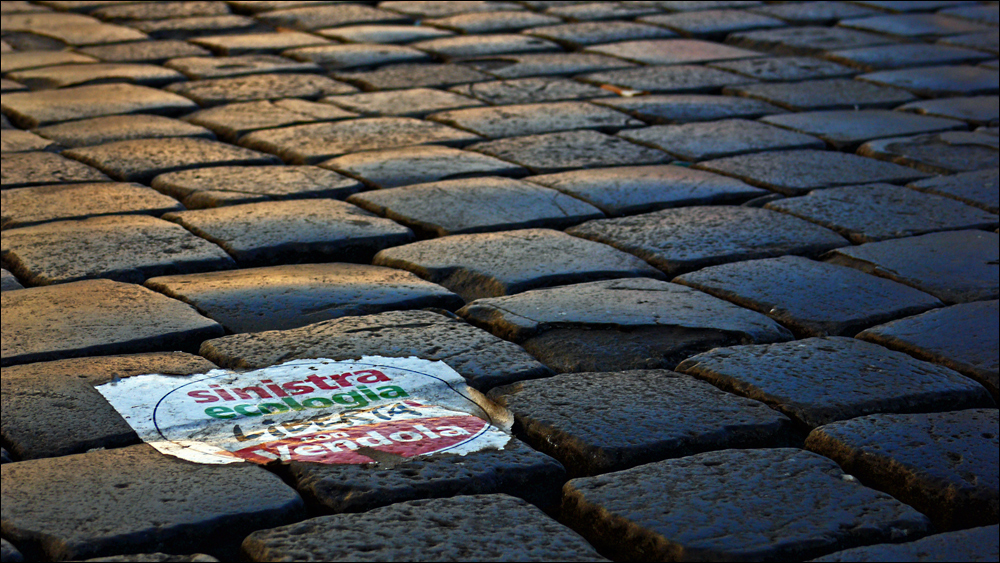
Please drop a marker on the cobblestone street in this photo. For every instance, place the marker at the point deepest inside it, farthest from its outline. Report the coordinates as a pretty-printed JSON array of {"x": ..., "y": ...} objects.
[{"x": 720, "y": 280}]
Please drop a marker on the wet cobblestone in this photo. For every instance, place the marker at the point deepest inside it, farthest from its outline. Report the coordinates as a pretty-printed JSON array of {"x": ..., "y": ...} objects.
[{"x": 792, "y": 204}]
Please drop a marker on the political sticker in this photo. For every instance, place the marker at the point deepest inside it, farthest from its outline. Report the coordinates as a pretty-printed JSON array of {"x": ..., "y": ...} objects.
[{"x": 322, "y": 411}]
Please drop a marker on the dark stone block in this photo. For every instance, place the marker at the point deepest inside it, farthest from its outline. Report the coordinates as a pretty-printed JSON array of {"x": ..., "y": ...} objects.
[
  {"x": 476, "y": 205},
  {"x": 688, "y": 238},
  {"x": 93, "y": 318},
  {"x": 817, "y": 381},
  {"x": 515, "y": 470},
  {"x": 942, "y": 464},
  {"x": 469, "y": 528},
  {"x": 284, "y": 297},
  {"x": 51, "y": 409},
  {"x": 137, "y": 500},
  {"x": 128, "y": 248},
  {"x": 977, "y": 544},
  {"x": 483, "y": 359},
  {"x": 811, "y": 298},
  {"x": 955, "y": 266},
  {"x": 963, "y": 337},
  {"x": 295, "y": 230},
  {"x": 696, "y": 508},
  {"x": 495, "y": 264},
  {"x": 599, "y": 422}
]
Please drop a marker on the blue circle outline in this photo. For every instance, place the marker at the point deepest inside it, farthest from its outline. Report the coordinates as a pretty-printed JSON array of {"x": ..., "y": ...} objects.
[{"x": 229, "y": 373}]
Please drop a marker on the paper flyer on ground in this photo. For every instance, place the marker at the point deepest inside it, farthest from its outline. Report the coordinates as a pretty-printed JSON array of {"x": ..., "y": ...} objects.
[{"x": 320, "y": 411}]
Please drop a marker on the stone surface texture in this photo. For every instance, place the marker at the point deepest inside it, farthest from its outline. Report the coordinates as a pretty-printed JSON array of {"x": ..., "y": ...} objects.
[
  {"x": 149, "y": 503},
  {"x": 817, "y": 381},
  {"x": 618, "y": 513},
  {"x": 701, "y": 418},
  {"x": 943, "y": 464},
  {"x": 429, "y": 530},
  {"x": 97, "y": 317},
  {"x": 796, "y": 292},
  {"x": 566, "y": 199},
  {"x": 284, "y": 297}
]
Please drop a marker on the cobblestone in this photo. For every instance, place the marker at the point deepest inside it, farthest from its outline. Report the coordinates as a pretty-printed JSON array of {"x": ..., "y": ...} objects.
[
  {"x": 938, "y": 81},
  {"x": 534, "y": 119},
  {"x": 845, "y": 130},
  {"x": 285, "y": 297},
  {"x": 260, "y": 87},
  {"x": 9, "y": 282},
  {"x": 859, "y": 212},
  {"x": 980, "y": 189},
  {"x": 783, "y": 485},
  {"x": 977, "y": 544},
  {"x": 23, "y": 141},
  {"x": 232, "y": 121},
  {"x": 713, "y": 24},
  {"x": 683, "y": 108},
  {"x": 444, "y": 530},
  {"x": 944, "y": 153},
  {"x": 495, "y": 264},
  {"x": 941, "y": 464},
  {"x": 665, "y": 138},
  {"x": 310, "y": 144},
  {"x": 963, "y": 337},
  {"x": 812, "y": 298},
  {"x": 544, "y": 64},
  {"x": 483, "y": 359},
  {"x": 382, "y": 33},
  {"x": 977, "y": 110},
  {"x": 101, "y": 130},
  {"x": 258, "y": 43},
  {"x": 924, "y": 26},
  {"x": 392, "y": 168},
  {"x": 954, "y": 266},
  {"x": 464, "y": 46},
  {"x": 143, "y": 159},
  {"x": 96, "y": 317},
  {"x": 183, "y": 28},
  {"x": 635, "y": 189},
  {"x": 38, "y": 168},
  {"x": 530, "y": 90},
  {"x": 809, "y": 40},
  {"x": 795, "y": 172},
  {"x": 579, "y": 35},
  {"x": 681, "y": 240},
  {"x": 35, "y": 109},
  {"x": 515, "y": 470},
  {"x": 152, "y": 52},
  {"x": 786, "y": 68},
  {"x": 701, "y": 418},
  {"x": 619, "y": 324},
  {"x": 417, "y": 102},
  {"x": 59, "y": 202},
  {"x": 294, "y": 230},
  {"x": 559, "y": 152},
  {"x": 404, "y": 76},
  {"x": 230, "y": 185},
  {"x": 63, "y": 392},
  {"x": 27, "y": 60},
  {"x": 818, "y": 381},
  {"x": 492, "y": 22},
  {"x": 131, "y": 514},
  {"x": 717, "y": 139},
  {"x": 906, "y": 55},
  {"x": 674, "y": 79},
  {"x": 476, "y": 205},
  {"x": 834, "y": 93},
  {"x": 126, "y": 248}
]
